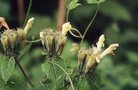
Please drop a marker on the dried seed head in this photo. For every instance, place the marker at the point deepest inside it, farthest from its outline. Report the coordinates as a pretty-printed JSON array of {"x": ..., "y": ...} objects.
[{"x": 66, "y": 27}]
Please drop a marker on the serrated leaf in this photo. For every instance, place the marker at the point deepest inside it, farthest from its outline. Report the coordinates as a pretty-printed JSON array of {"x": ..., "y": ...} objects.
[
  {"x": 95, "y": 1},
  {"x": 73, "y": 4},
  {"x": 7, "y": 67}
]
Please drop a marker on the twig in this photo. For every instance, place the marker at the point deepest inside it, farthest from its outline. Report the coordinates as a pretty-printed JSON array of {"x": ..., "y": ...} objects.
[
  {"x": 22, "y": 70},
  {"x": 28, "y": 11},
  {"x": 89, "y": 24}
]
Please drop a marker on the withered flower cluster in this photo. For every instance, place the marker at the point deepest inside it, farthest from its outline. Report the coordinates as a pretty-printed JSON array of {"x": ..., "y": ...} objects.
[
  {"x": 54, "y": 41},
  {"x": 11, "y": 39},
  {"x": 89, "y": 58}
]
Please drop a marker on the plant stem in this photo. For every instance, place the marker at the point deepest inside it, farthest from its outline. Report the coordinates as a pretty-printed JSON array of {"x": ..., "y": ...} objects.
[
  {"x": 65, "y": 73},
  {"x": 86, "y": 30},
  {"x": 34, "y": 41},
  {"x": 28, "y": 11},
  {"x": 22, "y": 70},
  {"x": 67, "y": 16}
]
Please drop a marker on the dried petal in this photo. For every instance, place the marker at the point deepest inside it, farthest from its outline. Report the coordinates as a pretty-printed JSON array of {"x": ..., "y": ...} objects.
[
  {"x": 109, "y": 50},
  {"x": 66, "y": 27}
]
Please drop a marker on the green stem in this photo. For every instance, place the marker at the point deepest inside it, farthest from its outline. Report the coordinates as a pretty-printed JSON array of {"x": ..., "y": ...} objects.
[
  {"x": 22, "y": 70},
  {"x": 86, "y": 30},
  {"x": 65, "y": 73},
  {"x": 54, "y": 72},
  {"x": 67, "y": 16},
  {"x": 34, "y": 41},
  {"x": 28, "y": 11}
]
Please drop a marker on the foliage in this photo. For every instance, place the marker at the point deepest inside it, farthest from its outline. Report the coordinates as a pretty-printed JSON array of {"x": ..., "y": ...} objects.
[{"x": 116, "y": 19}]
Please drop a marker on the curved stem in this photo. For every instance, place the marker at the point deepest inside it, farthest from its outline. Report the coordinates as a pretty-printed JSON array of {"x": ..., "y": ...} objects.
[
  {"x": 65, "y": 73},
  {"x": 28, "y": 11},
  {"x": 67, "y": 16},
  {"x": 22, "y": 70},
  {"x": 80, "y": 35},
  {"x": 86, "y": 30},
  {"x": 34, "y": 41}
]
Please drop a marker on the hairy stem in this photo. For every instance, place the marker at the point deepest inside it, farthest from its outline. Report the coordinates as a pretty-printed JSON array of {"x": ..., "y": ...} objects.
[
  {"x": 22, "y": 70},
  {"x": 86, "y": 30}
]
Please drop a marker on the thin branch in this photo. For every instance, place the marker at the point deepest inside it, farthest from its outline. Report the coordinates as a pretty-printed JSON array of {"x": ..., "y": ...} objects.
[
  {"x": 28, "y": 11},
  {"x": 22, "y": 70},
  {"x": 34, "y": 41},
  {"x": 61, "y": 14},
  {"x": 90, "y": 24}
]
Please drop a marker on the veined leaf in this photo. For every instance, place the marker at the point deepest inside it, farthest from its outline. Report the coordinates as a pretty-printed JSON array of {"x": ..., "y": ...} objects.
[
  {"x": 7, "y": 67},
  {"x": 46, "y": 67},
  {"x": 73, "y": 4},
  {"x": 95, "y": 1}
]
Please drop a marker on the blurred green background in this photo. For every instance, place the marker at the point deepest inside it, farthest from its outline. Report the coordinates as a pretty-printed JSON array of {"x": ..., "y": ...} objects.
[{"x": 117, "y": 19}]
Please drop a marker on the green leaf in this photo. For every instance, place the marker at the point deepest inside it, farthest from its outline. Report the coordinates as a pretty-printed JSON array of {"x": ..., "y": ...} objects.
[
  {"x": 85, "y": 84},
  {"x": 73, "y": 4},
  {"x": 7, "y": 67},
  {"x": 95, "y": 1},
  {"x": 46, "y": 67},
  {"x": 53, "y": 72}
]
